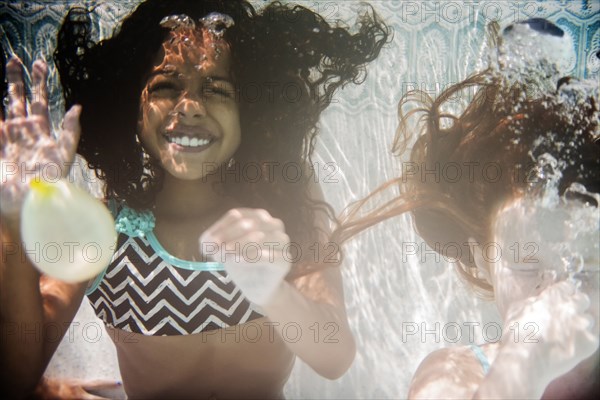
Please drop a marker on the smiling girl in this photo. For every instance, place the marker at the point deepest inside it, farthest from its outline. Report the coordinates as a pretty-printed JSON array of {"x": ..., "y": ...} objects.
[{"x": 167, "y": 123}]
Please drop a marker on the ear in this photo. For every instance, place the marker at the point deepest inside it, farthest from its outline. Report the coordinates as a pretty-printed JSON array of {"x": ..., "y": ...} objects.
[{"x": 483, "y": 267}]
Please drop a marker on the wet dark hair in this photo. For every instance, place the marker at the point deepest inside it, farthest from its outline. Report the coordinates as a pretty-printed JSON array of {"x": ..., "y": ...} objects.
[
  {"x": 283, "y": 45},
  {"x": 3, "y": 83}
]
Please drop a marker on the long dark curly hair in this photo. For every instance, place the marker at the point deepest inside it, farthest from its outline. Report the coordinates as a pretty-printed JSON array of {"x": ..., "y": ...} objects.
[
  {"x": 3, "y": 83},
  {"x": 282, "y": 47}
]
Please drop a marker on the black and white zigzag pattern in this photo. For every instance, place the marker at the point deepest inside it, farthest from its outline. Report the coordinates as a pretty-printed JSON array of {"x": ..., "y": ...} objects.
[{"x": 142, "y": 293}]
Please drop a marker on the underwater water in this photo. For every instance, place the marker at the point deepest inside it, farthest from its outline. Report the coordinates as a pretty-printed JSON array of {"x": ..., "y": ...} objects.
[{"x": 403, "y": 300}]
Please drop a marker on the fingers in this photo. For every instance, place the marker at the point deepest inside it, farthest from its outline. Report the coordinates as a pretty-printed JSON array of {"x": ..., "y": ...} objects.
[
  {"x": 565, "y": 296},
  {"x": 39, "y": 104},
  {"x": 99, "y": 388},
  {"x": 16, "y": 89},
  {"x": 240, "y": 222},
  {"x": 100, "y": 384},
  {"x": 245, "y": 235},
  {"x": 24, "y": 132},
  {"x": 559, "y": 291},
  {"x": 582, "y": 301}
]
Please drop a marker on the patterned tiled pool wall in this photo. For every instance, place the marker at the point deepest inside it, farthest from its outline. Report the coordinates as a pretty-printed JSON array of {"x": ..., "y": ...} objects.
[{"x": 446, "y": 27}]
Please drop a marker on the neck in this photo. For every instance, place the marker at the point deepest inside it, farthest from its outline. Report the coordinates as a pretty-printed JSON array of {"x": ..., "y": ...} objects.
[{"x": 187, "y": 198}]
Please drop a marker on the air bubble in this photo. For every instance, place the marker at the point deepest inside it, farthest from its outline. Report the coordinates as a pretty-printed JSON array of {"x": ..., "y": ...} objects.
[
  {"x": 177, "y": 22},
  {"x": 216, "y": 23}
]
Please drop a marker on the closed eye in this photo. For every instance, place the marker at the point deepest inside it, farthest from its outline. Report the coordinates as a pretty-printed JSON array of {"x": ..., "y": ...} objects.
[
  {"x": 163, "y": 89},
  {"x": 218, "y": 90}
]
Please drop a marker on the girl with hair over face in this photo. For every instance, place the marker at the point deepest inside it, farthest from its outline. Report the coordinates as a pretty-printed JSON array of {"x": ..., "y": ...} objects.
[
  {"x": 168, "y": 121},
  {"x": 542, "y": 193}
]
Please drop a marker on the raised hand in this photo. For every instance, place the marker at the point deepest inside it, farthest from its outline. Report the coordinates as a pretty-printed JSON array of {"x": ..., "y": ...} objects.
[
  {"x": 253, "y": 247},
  {"x": 27, "y": 148},
  {"x": 563, "y": 333}
]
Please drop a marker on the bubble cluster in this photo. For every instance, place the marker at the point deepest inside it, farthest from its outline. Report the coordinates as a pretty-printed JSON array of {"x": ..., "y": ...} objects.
[
  {"x": 211, "y": 30},
  {"x": 533, "y": 55},
  {"x": 178, "y": 21},
  {"x": 216, "y": 23},
  {"x": 564, "y": 227}
]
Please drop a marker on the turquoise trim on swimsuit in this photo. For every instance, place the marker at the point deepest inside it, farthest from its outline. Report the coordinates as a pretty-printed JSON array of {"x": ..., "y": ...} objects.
[
  {"x": 178, "y": 262},
  {"x": 483, "y": 360},
  {"x": 141, "y": 224}
]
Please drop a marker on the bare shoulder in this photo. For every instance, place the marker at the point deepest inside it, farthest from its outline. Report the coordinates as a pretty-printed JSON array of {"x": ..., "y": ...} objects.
[{"x": 451, "y": 372}]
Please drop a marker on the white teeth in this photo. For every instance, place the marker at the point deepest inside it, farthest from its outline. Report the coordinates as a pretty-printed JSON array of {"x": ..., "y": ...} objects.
[{"x": 187, "y": 141}]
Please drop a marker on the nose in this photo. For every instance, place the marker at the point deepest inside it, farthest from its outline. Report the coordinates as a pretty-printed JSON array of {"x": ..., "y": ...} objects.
[{"x": 190, "y": 109}]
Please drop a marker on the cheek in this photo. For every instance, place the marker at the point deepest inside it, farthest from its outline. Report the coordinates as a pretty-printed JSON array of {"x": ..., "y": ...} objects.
[
  {"x": 152, "y": 116},
  {"x": 237, "y": 132},
  {"x": 229, "y": 119},
  {"x": 151, "y": 119}
]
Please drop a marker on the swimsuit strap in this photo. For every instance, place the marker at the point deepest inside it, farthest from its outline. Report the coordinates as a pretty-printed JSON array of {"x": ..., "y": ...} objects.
[{"x": 483, "y": 360}]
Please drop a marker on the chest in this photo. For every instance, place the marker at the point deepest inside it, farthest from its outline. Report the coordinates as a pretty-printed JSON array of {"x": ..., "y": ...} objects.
[{"x": 180, "y": 237}]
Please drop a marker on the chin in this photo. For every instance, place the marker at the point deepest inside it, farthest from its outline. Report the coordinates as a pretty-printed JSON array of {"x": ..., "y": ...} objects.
[{"x": 188, "y": 175}]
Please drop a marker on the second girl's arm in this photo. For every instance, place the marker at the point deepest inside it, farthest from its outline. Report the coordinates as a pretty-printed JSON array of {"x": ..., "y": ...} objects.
[{"x": 523, "y": 368}]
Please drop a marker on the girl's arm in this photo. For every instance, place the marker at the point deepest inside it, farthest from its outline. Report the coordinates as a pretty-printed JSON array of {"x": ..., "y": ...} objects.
[
  {"x": 35, "y": 311},
  {"x": 562, "y": 337},
  {"x": 448, "y": 373},
  {"x": 455, "y": 373},
  {"x": 309, "y": 312},
  {"x": 525, "y": 364},
  {"x": 313, "y": 306}
]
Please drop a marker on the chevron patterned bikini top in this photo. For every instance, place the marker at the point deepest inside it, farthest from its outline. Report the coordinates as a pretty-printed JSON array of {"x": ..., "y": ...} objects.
[{"x": 146, "y": 290}]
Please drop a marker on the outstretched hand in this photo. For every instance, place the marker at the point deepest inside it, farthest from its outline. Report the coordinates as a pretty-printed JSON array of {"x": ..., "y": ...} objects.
[
  {"x": 563, "y": 332},
  {"x": 252, "y": 245},
  {"x": 27, "y": 148}
]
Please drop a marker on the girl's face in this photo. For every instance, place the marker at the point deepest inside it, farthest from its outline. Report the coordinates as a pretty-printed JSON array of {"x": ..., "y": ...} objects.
[
  {"x": 542, "y": 244},
  {"x": 189, "y": 117}
]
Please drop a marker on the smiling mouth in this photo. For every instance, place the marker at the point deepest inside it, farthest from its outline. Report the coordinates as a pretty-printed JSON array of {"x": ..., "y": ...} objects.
[{"x": 187, "y": 142}]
